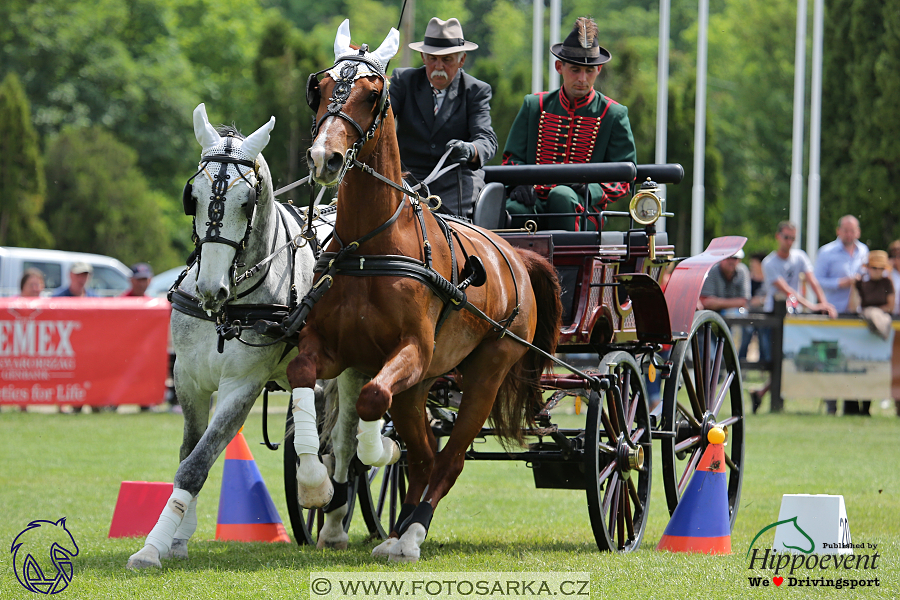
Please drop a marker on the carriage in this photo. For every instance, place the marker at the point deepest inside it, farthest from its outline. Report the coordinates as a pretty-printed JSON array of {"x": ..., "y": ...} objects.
[
  {"x": 460, "y": 323},
  {"x": 638, "y": 334}
]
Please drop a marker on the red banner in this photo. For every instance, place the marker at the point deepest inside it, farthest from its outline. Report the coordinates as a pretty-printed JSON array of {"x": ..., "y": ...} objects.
[{"x": 96, "y": 351}]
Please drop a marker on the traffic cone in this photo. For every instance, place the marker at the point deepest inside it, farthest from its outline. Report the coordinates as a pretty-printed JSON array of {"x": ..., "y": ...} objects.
[
  {"x": 246, "y": 510},
  {"x": 700, "y": 522}
]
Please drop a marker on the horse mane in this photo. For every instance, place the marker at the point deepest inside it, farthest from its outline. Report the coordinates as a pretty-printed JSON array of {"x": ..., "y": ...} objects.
[{"x": 232, "y": 129}]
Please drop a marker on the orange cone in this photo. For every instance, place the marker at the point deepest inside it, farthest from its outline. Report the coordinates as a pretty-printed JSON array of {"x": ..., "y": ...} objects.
[
  {"x": 246, "y": 510},
  {"x": 700, "y": 522}
]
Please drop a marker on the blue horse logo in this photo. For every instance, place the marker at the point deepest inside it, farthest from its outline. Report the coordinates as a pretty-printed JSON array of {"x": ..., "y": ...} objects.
[{"x": 42, "y": 543}]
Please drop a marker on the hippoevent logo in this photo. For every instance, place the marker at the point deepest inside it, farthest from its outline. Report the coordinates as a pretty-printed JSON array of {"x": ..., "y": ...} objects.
[
  {"x": 802, "y": 567},
  {"x": 42, "y": 556}
]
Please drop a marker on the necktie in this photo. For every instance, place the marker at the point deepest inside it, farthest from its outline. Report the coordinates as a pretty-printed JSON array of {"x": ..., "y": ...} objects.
[{"x": 438, "y": 99}]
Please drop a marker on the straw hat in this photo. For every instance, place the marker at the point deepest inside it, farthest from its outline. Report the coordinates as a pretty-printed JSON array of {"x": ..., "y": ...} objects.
[{"x": 878, "y": 259}]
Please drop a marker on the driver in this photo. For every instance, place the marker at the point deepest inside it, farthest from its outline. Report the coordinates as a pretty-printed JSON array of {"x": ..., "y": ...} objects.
[
  {"x": 574, "y": 124},
  {"x": 439, "y": 108}
]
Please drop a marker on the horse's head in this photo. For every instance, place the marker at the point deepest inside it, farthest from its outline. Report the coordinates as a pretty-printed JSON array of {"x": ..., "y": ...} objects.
[
  {"x": 222, "y": 197},
  {"x": 356, "y": 89}
]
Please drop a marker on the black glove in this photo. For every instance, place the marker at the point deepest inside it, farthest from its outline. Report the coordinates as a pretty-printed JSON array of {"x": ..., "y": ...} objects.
[
  {"x": 524, "y": 195},
  {"x": 460, "y": 152},
  {"x": 578, "y": 188}
]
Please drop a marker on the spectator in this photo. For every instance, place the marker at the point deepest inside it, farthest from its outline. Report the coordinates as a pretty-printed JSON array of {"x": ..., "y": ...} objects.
[
  {"x": 141, "y": 274},
  {"x": 838, "y": 267},
  {"x": 32, "y": 283},
  {"x": 79, "y": 275},
  {"x": 782, "y": 269},
  {"x": 574, "y": 124},
  {"x": 757, "y": 297},
  {"x": 438, "y": 108},
  {"x": 894, "y": 256},
  {"x": 839, "y": 263},
  {"x": 727, "y": 286}
]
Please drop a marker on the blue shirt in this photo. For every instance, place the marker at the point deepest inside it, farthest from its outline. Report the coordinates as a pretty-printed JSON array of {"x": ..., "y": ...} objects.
[
  {"x": 68, "y": 292},
  {"x": 834, "y": 263},
  {"x": 789, "y": 269}
]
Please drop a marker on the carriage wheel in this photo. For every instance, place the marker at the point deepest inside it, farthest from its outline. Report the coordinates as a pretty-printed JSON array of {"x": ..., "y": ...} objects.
[
  {"x": 617, "y": 457},
  {"x": 306, "y": 523},
  {"x": 381, "y": 492},
  {"x": 706, "y": 368}
]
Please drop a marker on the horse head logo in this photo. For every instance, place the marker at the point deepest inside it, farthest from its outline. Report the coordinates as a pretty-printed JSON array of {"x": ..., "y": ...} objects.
[
  {"x": 40, "y": 545},
  {"x": 796, "y": 533}
]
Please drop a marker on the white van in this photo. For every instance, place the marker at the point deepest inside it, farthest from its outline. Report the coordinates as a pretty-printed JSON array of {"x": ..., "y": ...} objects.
[{"x": 110, "y": 278}]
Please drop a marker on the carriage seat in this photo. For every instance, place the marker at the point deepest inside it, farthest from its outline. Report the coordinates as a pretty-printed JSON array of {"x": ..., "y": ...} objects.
[
  {"x": 490, "y": 207},
  {"x": 603, "y": 238}
]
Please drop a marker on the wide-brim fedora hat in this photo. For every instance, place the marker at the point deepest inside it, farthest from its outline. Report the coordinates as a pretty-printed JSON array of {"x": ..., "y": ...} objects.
[
  {"x": 443, "y": 37},
  {"x": 580, "y": 47}
]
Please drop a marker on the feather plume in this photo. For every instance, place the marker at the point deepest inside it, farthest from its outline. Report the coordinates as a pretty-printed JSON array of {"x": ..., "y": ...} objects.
[{"x": 587, "y": 31}]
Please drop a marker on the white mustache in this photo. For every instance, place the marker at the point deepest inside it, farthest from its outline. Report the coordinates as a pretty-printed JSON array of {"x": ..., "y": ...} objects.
[{"x": 440, "y": 73}]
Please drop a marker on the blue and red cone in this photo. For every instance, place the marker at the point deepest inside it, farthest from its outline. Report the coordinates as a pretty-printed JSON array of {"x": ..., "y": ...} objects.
[
  {"x": 700, "y": 522},
  {"x": 246, "y": 510}
]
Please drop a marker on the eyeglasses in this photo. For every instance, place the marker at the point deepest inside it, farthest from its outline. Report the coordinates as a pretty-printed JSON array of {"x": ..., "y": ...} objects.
[{"x": 790, "y": 238}]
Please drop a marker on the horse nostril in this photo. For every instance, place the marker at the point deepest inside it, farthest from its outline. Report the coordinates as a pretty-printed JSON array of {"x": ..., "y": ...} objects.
[
  {"x": 310, "y": 162},
  {"x": 335, "y": 162},
  {"x": 222, "y": 294}
]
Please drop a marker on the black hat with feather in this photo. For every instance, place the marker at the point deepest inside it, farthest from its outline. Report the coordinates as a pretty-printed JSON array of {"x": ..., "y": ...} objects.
[{"x": 580, "y": 47}]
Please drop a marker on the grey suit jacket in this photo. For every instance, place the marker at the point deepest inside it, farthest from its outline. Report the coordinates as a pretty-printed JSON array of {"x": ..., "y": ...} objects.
[{"x": 464, "y": 115}]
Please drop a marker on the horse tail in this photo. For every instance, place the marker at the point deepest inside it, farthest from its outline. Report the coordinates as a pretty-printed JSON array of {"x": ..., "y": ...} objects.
[{"x": 520, "y": 396}]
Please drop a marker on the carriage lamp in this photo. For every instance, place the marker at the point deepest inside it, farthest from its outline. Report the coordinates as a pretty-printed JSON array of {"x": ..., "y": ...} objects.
[{"x": 646, "y": 207}]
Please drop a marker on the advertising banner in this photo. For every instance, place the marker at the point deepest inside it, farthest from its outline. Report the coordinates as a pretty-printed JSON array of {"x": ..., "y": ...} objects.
[
  {"x": 838, "y": 358},
  {"x": 76, "y": 351}
]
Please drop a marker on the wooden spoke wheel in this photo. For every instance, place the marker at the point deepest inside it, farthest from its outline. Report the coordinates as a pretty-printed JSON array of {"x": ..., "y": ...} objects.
[
  {"x": 703, "y": 390},
  {"x": 381, "y": 492},
  {"x": 618, "y": 456},
  {"x": 306, "y": 523}
]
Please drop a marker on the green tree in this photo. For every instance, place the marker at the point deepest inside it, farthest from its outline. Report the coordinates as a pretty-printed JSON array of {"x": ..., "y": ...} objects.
[
  {"x": 22, "y": 184},
  {"x": 99, "y": 201},
  {"x": 284, "y": 61},
  {"x": 860, "y": 163}
]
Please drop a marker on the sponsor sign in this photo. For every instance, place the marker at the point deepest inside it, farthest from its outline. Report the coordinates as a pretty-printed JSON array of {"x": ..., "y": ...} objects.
[{"x": 95, "y": 351}]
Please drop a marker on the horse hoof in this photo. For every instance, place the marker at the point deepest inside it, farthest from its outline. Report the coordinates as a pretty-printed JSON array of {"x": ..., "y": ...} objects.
[
  {"x": 383, "y": 550},
  {"x": 315, "y": 497},
  {"x": 332, "y": 534},
  {"x": 335, "y": 544},
  {"x": 145, "y": 558},
  {"x": 407, "y": 548},
  {"x": 178, "y": 550}
]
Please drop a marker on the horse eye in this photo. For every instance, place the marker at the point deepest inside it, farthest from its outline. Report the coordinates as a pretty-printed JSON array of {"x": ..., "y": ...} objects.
[{"x": 373, "y": 97}]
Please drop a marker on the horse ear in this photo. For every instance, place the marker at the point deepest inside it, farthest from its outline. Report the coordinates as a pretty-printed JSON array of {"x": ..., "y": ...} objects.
[
  {"x": 388, "y": 47},
  {"x": 342, "y": 40},
  {"x": 256, "y": 141},
  {"x": 206, "y": 134}
]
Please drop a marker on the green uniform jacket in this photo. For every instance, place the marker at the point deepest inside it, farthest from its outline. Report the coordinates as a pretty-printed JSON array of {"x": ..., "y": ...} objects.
[{"x": 614, "y": 143}]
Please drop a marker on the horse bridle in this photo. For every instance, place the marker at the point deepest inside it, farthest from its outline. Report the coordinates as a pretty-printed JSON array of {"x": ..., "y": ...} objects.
[
  {"x": 341, "y": 93},
  {"x": 216, "y": 208}
]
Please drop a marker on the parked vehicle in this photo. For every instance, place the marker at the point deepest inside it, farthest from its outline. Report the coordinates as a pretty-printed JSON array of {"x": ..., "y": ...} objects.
[
  {"x": 110, "y": 277},
  {"x": 160, "y": 284}
]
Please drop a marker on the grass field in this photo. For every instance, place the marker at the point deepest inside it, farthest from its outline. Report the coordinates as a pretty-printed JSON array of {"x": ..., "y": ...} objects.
[{"x": 58, "y": 465}]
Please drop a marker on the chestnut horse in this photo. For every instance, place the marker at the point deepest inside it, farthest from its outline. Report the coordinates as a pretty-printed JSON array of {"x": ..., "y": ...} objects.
[{"x": 393, "y": 327}]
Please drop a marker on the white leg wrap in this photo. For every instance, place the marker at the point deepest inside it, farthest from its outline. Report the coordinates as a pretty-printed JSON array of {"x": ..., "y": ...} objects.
[
  {"x": 371, "y": 448},
  {"x": 163, "y": 532},
  {"x": 306, "y": 436},
  {"x": 189, "y": 523}
]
